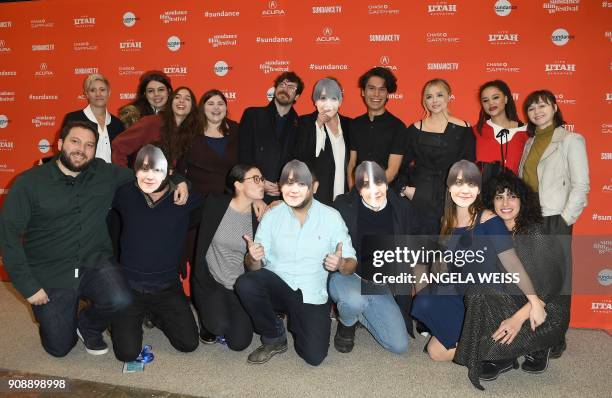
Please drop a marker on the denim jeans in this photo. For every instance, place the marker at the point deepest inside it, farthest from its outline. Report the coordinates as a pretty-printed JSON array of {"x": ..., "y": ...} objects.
[
  {"x": 379, "y": 313},
  {"x": 105, "y": 287}
]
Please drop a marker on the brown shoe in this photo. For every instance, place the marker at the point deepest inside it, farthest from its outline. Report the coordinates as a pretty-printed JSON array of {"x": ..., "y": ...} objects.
[{"x": 266, "y": 351}]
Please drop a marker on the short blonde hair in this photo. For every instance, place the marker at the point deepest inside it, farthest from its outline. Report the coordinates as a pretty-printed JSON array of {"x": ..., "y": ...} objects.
[{"x": 89, "y": 80}]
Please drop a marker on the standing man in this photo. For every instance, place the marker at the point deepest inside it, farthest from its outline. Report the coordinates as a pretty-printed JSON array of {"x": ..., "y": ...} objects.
[
  {"x": 376, "y": 135},
  {"x": 297, "y": 244},
  {"x": 268, "y": 134},
  {"x": 56, "y": 245}
]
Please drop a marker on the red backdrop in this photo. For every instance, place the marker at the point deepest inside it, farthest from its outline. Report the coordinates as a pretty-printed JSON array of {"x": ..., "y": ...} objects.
[{"x": 47, "y": 48}]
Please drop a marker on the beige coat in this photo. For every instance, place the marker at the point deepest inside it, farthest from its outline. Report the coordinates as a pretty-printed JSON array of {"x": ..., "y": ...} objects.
[{"x": 563, "y": 175}]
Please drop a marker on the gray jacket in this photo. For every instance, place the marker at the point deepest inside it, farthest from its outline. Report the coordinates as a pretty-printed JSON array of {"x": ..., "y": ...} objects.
[{"x": 563, "y": 175}]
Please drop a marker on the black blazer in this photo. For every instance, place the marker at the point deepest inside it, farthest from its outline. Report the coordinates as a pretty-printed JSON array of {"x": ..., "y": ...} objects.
[
  {"x": 114, "y": 128},
  {"x": 323, "y": 166},
  {"x": 258, "y": 144},
  {"x": 214, "y": 208}
]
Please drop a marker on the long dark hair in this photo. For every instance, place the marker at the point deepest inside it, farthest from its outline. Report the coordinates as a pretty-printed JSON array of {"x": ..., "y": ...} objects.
[
  {"x": 530, "y": 211},
  {"x": 470, "y": 174},
  {"x": 549, "y": 98},
  {"x": 141, "y": 102},
  {"x": 509, "y": 109},
  {"x": 224, "y": 126},
  {"x": 175, "y": 139}
]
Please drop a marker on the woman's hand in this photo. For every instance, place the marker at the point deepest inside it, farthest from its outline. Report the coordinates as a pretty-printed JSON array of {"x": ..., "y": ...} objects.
[
  {"x": 508, "y": 330},
  {"x": 537, "y": 314},
  {"x": 408, "y": 192}
]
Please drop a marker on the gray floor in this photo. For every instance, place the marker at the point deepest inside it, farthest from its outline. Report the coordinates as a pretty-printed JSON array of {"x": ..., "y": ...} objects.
[{"x": 215, "y": 371}]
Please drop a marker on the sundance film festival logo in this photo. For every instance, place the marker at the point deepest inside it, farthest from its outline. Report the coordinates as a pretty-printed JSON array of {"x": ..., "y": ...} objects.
[
  {"x": 129, "y": 19},
  {"x": 497, "y": 67},
  {"x": 326, "y": 9},
  {"x": 563, "y": 99},
  {"x": 223, "y": 40},
  {"x": 221, "y": 14},
  {"x": 43, "y": 47},
  {"x": 173, "y": 16},
  {"x": 7, "y": 96},
  {"x": 85, "y": 71},
  {"x": 129, "y": 70},
  {"x": 4, "y": 121},
  {"x": 328, "y": 36},
  {"x": 274, "y": 66},
  {"x": 560, "y": 68},
  {"x": 174, "y": 43},
  {"x": 44, "y": 146},
  {"x": 3, "y": 47},
  {"x": 554, "y": 6},
  {"x": 43, "y": 121},
  {"x": 6, "y": 24},
  {"x": 274, "y": 9},
  {"x": 503, "y": 38},
  {"x": 41, "y": 23},
  {"x": 84, "y": 46},
  {"x": 221, "y": 68},
  {"x": 175, "y": 70},
  {"x": 451, "y": 66},
  {"x": 43, "y": 70},
  {"x": 561, "y": 37},
  {"x": 440, "y": 37},
  {"x": 127, "y": 96},
  {"x": 441, "y": 8},
  {"x": 503, "y": 8},
  {"x": 85, "y": 22},
  {"x": 130, "y": 45},
  {"x": 382, "y": 9},
  {"x": 394, "y": 37},
  {"x": 385, "y": 62}
]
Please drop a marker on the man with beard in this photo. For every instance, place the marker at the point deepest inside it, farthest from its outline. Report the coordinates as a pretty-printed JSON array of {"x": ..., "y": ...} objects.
[
  {"x": 56, "y": 245},
  {"x": 297, "y": 244},
  {"x": 268, "y": 134}
]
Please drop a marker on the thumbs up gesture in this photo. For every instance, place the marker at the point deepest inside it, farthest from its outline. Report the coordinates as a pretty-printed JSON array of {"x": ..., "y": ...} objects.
[
  {"x": 256, "y": 250},
  {"x": 333, "y": 261}
]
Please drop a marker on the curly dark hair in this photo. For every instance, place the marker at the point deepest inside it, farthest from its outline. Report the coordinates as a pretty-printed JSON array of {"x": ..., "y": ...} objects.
[
  {"x": 383, "y": 73},
  {"x": 530, "y": 212},
  {"x": 293, "y": 78},
  {"x": 174, "y": 139}
]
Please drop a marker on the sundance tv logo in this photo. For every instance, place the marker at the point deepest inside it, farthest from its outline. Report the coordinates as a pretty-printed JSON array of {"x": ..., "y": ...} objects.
[
  {"x": 84, "y": 22},
  {"x": 328, "y": 37},
  {"x": 450, "y": 66},
  {"x": 274, "y": 9},
  {"x": 561, "y": 37},
  {"x": 6, "y": 24},
  {"x": 43, "y": 47},
  {"x": 503, "y": 8},
  {"x": 174, "y": 43},
  {"x": 326, "y": 9},
  {"x": 442, "y": 8},
  {"x": 85, "y": 70},
  {"x": 393, "y": 37},
  {"x": 129, "y": 19}
]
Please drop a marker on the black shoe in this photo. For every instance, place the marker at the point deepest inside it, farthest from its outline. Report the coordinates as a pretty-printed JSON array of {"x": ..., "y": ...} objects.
[
  {"x": 557, "y": 350},
  {"x": 536, "y": 362},
  {"x": 490, "y": 370},
  {"x": 93, "y": 345},
  {"x": 344, "y": 340},
  {"x": 266, "y": 351},
  {"x": 206, "y": 337},
  {"x": 422, "y": 329}
]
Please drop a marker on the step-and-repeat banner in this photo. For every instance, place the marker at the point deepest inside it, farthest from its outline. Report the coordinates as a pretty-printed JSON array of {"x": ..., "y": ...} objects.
[{"x": 47, "y": 48}]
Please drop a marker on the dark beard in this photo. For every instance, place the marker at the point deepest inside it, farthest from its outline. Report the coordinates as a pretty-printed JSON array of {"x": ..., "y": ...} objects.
[
  {"x": 283, "y": 102},
  {"x": 65, "y": 159}
]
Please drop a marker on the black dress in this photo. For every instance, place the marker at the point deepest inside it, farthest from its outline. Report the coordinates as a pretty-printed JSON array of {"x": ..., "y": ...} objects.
[
  {"x": 427, "y": 159},
  {"x": 486, "y": 308}
]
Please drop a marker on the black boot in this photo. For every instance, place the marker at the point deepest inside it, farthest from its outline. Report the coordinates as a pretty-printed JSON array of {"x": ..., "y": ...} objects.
[
  {"x": 490, "y": 370},
  {"x": 536, "y": 362},
  {"x": 207, "y": 337},
  {"x": 557, "y": 350},
  {"x": 344, "y": 341}
]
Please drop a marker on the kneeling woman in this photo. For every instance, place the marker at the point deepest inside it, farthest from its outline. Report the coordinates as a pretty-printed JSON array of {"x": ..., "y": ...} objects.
[
  {"x": 495, "y": 331},
  {"x": 220, "y": 257},
  {"x": 467, "y": 227}
]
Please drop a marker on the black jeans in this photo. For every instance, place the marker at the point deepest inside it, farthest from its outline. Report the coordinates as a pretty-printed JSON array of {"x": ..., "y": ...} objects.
[
  {"x": 555, "y": 225},
  {"x": 172, "y": 313},
  {"x": 221, "y": 313},
  {"x": 263, "y": 294},
  {"x": 105, "y": 287}
]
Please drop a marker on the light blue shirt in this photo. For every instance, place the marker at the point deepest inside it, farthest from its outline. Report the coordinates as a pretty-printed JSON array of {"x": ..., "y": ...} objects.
[{"x": 296, "y": 253}]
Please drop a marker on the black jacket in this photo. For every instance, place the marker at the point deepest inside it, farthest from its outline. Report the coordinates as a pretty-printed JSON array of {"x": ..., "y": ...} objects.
[
  {"x": 114, "y": 128},
  {"x": 214, "y": 208},
  {"x": 323, "y": 166},
  {"x": 258, "y": 143}
]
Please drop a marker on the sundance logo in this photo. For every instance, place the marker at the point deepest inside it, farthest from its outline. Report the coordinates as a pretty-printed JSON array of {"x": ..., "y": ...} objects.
[
  {"x": 441, "y": 37},
  {"x": 4, "y": 121},
  {"x": 443, "y": 66},
  {"x": 174, "y": 43},
  {"x": 3, "y": 47},
  {"x": 44, "y": 146},
  {"x": 7, "y": 96},
  {"x": 85, "y": 71},
  {"x": 84, "y": 46},
  {"x": 175, "y": 70},
  {"x": 130, "y": 45},
  {"x": 442, "y": 8},
  {"x": 382, "y": 9},
  {"x": 554, "y": 6},
  {"x": 561, "y": 37},
  {"x": 174, "y": 16},
  {"x": 328, "y": 36},
  {"x": 43, "y": 121},
  {"x": 385, "y": 62},
  {"x": 274, "y": 9},
  {"x": 274, "y": 66},
  {"x": 327, "y": 9},
  {"x": 127, "y": 96},
  {"x": 43, "y": 70},
  {"x": 503, "y": 38},
  {"x": 6, "y": 24},
  {"x": 129, "y": 19},
  {"x": 604, "y": 277},
  {"x": 503, "y": 8},
  {"x": 84, "y": 22},
  {"x": 560, "y": 68},
  {"x": 221, "y": 68},
  {"x": 41, "y": 23},
  {"x": 43, "y": 47},
  {"x": 221, "y": 14},
  {"x": 223, "y": 40},
  {"x": 385, "y": 38}
]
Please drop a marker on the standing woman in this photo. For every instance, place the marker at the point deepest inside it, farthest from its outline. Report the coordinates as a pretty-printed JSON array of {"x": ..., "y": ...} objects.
[
  {"x": 323, "y": 141},
  {"x": 97, "y": 90},
  {"x": 555, "y": 165},
  {"x": 433, "y": 145},
  {"x": 467, "y": 227},
  {"x": 176, "y": 124},
  {"x": 220, "y": 258},
  {"x": 154, "y": 90},
  {"x": 212, "y": 152},
  {"x": 500, "y": 134}
]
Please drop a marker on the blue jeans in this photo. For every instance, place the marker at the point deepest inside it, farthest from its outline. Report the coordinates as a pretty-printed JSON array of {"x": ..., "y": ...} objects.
[
  {"x": 380, "y": 314},
  {"x": 105, "y": 287}
]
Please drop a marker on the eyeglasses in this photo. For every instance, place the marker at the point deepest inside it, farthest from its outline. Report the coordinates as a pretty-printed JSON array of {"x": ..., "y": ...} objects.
[
  {"x": 256, "y": 179},
  {"x": 287, "y": 85}
]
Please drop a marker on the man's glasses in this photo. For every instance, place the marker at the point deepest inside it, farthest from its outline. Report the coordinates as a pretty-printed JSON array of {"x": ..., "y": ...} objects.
[
  {"x": 287, "y": 85},
  {"x": 256, "y": 179}
]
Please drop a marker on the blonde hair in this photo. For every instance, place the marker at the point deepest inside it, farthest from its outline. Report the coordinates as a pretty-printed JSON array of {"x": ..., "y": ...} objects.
[
  {"x": 434, "y": 82},
  {"x": 89, "y": 80}
]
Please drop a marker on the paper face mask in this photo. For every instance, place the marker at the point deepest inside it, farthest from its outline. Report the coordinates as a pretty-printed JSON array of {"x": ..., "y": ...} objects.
[{"x": 328, "y": 106}]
